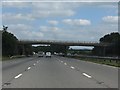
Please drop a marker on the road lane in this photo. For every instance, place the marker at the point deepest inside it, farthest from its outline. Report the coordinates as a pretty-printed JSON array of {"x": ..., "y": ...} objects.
[
  {"x": 8, "y": 64},
  {"x": 102, "y": 73},
  {"x": 50, "y": 73},
  {"x": 58, "y": 72},
  {"x": 13, "y": 67}
]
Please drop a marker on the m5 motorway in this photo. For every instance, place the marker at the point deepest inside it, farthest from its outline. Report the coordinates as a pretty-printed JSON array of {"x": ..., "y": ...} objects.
[{"x": 57, "y": 72}]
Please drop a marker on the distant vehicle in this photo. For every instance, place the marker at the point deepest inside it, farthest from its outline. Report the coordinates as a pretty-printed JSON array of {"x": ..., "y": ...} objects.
[
  {"x": 40, "y": 54},
  {"x": 48, "y": 54},
  {"x": 69, "y": 54}
]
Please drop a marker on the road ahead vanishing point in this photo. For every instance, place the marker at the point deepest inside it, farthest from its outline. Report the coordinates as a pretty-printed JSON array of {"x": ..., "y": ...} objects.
[{"x": 57, "y": 72}]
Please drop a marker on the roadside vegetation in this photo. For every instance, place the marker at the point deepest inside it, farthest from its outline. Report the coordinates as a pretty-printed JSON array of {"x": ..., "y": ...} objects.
[
  {"x": 114, "y": 47},
  {"x": 11, "y": 47},
  {"x": 52, "y": 48},
  {"x": 5, "y": 58},
  {"x": 110, "y": 62},
  {"x": 113, "y": 50}
]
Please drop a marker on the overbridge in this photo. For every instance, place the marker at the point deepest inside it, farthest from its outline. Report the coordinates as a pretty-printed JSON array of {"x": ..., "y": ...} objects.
[{"x": 66, "y": 43}]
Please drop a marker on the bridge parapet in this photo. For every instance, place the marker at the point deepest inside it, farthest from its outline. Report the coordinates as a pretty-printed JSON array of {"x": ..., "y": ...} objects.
[{"x": 67, "y": 43}]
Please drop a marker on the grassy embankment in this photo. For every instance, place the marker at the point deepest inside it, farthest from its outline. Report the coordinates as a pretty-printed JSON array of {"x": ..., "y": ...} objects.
[
  {"x": 4, "y": 58},
  {"x": 110, "y": 62}
]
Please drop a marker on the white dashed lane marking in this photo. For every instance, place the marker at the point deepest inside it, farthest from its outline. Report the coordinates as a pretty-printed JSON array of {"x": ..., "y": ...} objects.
[
  {"x": 87, "y": 75},
  {"x": 61, "y": 61},
  {"x": 29, "y": 68},
  {"x": 72, "y": 67},
  {"x": 65, "y": 63},
  {"x": 34, "y": 64},
  {"x": 18, "y": 76}
]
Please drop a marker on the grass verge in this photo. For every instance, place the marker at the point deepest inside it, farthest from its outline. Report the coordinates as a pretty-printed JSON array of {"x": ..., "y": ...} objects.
[
  {"x": 12, "y": 57},
  {"x": 110, "y": 62}
]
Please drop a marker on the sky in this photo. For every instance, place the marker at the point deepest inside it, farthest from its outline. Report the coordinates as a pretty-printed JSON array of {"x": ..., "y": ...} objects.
[{"x": 66, "y": 21}]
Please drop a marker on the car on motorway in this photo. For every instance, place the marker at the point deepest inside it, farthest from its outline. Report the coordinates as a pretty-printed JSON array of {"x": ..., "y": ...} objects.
[
  {"x": 48, "y": 54},
  {"x": 40, "y": 54}
]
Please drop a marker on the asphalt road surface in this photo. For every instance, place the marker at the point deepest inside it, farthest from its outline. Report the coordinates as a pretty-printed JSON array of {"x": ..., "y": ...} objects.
[{"x": 57, "y": 72}]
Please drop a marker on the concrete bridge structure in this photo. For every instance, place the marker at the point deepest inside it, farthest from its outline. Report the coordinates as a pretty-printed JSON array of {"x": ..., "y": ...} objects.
[{"x": 65, "y": 43}]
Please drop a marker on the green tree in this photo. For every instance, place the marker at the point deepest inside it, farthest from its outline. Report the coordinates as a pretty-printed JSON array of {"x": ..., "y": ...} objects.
[
  {"x": 110, "y": 38},
  {"x": 59, "y": 48},
  {"x": 28, "y": 50},
  {"x": 9, "y": 43},
  {"x": 113, "y": 48}
]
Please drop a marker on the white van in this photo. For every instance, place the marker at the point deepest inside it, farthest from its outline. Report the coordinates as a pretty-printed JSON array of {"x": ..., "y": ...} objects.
[{"x": 48, "y": 54}]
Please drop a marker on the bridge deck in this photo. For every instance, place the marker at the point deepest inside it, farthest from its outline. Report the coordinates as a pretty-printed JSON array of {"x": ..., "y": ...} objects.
[{"x": 67, "y": 43}]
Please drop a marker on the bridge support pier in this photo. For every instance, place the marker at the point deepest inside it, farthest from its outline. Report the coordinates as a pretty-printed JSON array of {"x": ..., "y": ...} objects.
[
  {"x": 23, "y": 49},
  {"x": 66, "y": 49}
]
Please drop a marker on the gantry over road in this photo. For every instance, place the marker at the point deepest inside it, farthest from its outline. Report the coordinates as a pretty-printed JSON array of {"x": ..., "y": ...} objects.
[{"x": 66, "y": 43}]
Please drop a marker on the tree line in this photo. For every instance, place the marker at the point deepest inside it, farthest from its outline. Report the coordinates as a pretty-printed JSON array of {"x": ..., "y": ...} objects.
[
  {"x": 11, "y": 46},
  {"x": 112, "y": 49}
]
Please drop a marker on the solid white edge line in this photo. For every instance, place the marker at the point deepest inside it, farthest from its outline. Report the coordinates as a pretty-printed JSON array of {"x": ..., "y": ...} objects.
[
  {"x": 87, "y": 75},
  {"x": 18, "y": 76}
]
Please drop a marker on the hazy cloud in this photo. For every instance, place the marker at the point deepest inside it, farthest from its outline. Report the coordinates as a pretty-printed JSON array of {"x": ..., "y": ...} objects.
[
  {"x": 110, "y": 19},
  {"x": 16, "y": 18},
  {"x": 16, "y": 4},
  {"x": 78, "y": 22},
  {"x": 53, "y": 22},
  {"x": 49, "y": 29},
  {"x": 23, "y": 31},
  {"x": 41, "y": 13}
]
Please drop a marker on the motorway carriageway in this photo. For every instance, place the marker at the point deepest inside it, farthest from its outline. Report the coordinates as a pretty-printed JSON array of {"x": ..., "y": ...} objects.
[{"x": 57, "y": 72}]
